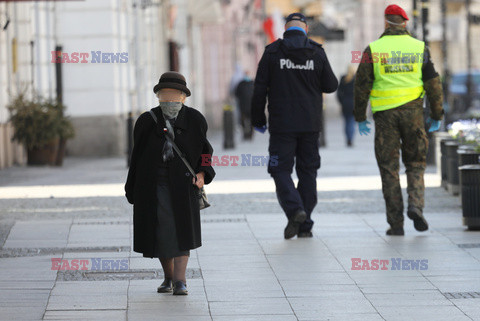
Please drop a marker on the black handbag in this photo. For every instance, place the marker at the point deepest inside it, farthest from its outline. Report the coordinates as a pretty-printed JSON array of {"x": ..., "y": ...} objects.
[{"x": 201, "y": 195}]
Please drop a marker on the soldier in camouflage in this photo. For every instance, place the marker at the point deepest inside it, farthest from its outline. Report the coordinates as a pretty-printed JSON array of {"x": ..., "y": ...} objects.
[{"x": 400, "y": 127}]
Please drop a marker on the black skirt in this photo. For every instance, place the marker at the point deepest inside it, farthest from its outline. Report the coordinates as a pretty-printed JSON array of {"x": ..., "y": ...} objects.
[{"x": 166, "y": 237}]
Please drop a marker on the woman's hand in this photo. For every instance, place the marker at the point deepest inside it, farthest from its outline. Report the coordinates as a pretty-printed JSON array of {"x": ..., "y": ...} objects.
[{"x": 200, "y": 180}]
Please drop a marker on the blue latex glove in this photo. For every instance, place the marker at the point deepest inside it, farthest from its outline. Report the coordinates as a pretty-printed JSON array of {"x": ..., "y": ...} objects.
[
  {"x": 363, "y": 128},
  {"x": 261, "y": 129},
  {"x": 434, "y": 124}
]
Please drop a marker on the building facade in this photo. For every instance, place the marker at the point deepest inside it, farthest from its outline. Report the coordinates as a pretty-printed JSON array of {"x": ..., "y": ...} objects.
[{"x": 124, "y": 46}]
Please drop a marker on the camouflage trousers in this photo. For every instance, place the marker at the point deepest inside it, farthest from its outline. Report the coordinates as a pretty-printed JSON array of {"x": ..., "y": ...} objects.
[{"x": 401, "y": 128}]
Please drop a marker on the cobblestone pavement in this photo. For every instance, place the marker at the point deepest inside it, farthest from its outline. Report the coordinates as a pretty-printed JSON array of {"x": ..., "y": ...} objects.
[{"x": 245, "y": 270}]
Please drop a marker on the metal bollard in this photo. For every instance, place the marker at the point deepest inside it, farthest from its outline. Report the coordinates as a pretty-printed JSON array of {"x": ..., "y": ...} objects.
[
  {"x": 228, "y": 127},
  {"x": 470, "y": 185}
]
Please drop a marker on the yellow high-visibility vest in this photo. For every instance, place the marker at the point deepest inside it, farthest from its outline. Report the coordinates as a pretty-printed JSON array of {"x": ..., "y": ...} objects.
[{"x": 397, "y": 67}]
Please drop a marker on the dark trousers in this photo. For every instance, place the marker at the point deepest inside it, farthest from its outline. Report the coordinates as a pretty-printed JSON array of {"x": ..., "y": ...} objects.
[
  {"x": 247, "y": 127},
  {"x": 349, "y": 126},
  {"x": 285, "y": 149}
]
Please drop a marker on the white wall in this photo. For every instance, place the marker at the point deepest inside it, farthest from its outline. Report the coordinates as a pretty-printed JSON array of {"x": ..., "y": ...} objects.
[
  {"x": 111, "y": 26},
  {"x": 5, "y": 66},
  {"x": 90, "y": 89},
  {"x": 20, "y": 28}
]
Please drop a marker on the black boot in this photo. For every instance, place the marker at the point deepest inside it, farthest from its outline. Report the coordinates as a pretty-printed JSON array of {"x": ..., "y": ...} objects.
[
  {"x": 395, "y": 231},
  {"x": 419, "y": 222},
  {"x": 166, "y": 286},
  {"x": 179, "y": 288},
  {"x": 305, "y": 234},
  {"x": 294, "y": 224}
]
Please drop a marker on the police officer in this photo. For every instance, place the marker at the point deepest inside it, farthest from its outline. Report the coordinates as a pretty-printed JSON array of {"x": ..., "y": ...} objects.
[
  {"x": 293, "y": 73},
  {"x": 395, "y": 73}
]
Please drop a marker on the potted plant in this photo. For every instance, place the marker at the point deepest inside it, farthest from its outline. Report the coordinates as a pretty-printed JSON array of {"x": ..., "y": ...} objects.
[{"x": 39, "y": 124}]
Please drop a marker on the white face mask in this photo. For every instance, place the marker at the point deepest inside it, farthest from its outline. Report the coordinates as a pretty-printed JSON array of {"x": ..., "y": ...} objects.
[{"x": 170, "y": 108}]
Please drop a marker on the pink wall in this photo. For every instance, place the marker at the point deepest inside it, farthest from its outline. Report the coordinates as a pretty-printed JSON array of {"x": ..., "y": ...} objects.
[{"x": 221, "y": 43}]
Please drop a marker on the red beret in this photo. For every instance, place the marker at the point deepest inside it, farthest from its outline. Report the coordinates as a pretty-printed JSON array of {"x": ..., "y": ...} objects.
[{"x": 396, "y": 10}]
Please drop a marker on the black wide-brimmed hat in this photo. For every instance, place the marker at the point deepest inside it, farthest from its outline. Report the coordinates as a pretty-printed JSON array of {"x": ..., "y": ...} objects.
[{"x": 172, "y": 80}]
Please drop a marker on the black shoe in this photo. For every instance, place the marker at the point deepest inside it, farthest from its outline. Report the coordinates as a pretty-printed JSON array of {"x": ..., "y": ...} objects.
[
  {"x": 179, "y": 288},
  {"x": 166, "y": 286},
  {"x": 305, "y": 234},
  {"x": 349, "y": 143},
  {"x": 419, "y": 222},
  {"x": 294, "y": 224},
  {"x": 395, "y": 231}
]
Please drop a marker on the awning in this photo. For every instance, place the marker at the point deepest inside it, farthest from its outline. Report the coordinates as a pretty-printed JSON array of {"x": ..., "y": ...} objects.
[{"x": 317, "y": 28}]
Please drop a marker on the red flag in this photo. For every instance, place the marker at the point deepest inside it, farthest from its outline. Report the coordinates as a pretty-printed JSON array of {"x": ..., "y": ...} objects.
[{"x": 268, "y": 29}]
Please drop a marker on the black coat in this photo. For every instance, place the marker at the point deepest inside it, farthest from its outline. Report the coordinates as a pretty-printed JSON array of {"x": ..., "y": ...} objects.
[
  {"x": 293, "y": 73},
  {"x": 140, "y": 188},
  {"x": 345, "y": 96}
]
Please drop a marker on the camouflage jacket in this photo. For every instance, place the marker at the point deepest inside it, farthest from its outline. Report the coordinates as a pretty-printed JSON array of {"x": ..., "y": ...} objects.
[{"x": 365, "y": 77}]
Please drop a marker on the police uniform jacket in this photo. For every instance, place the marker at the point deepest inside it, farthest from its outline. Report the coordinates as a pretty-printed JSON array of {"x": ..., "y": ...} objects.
[{"x": 292, "y": 74}]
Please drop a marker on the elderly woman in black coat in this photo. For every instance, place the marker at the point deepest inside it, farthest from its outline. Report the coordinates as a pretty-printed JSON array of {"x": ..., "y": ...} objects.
[{"x": 166, "y": 214}]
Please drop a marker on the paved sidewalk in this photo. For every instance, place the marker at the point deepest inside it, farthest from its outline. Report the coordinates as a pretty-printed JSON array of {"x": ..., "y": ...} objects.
[{"x": 245, "y": 270}]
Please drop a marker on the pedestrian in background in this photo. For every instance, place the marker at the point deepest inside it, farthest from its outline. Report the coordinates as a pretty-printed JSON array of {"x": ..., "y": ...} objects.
[
  {"x": 166, "y": 214},
  {"x": 396, "y": 88},
  {"x": 293, "y": 73},
  {"x": 237, "y": 77},
  {"x": 345, "y": 97},
  {"x": 244, "y": 93}
]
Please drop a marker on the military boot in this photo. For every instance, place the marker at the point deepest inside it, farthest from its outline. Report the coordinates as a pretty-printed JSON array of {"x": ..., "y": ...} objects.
[
  {"x": 419, "y": 222},
  {"x": 396, "y": 231}
]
